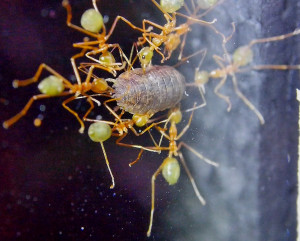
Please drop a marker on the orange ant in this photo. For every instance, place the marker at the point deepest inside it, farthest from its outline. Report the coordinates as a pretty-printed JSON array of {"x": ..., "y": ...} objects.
[
  {"x": 170, "y": 168},
  {"x": 170, "y": 33},
  {"x": 101, "y": 130},
  {"x": 92, "y": 23},
  {"x": 230, "y": 65},
  {"x": 56, "y": 85}
]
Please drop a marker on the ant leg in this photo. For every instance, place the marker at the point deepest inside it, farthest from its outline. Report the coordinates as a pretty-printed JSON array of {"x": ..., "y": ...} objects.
[
  {"x": 14, "y": 119},
  {"x": 86, "y": 44},
  {"x": 118, "y": 142},
  {"x": 246, "y": 101},
  {"x": 196, "y": 190},
  {"x": 182, "y": 46},
  {"x": 98, "y": 66},
  {"x": 224, "y": 97},
  {"x": 274, "y": 38},
  {"x": 184, "y": 59},
  {"x": 203, "y": 99},
  {"x": 196, "y": 20},
  {"x": 219, "y": 61},
  {"x": 124, "y": 20},
  {"x": 153, "y": 196},
  {"x": 187, "y": 126},
  {"x": 197, "y": 154},
  {"x": 18, "y": 83},
  {"x": 67, "y": 6},
  {"x": 138, "y": 158},
  {"x": 107, "y": 164},
  {"x": 75, "y": 67},
  {"x": 89, "y": 99},
  {"x": 276, "y": 67},
  {"x": 232, "y": 32},
  {"x": 110, "y": 110},
  {"x": 81, "y": 130},
  {"x": 153, "y": 45}
]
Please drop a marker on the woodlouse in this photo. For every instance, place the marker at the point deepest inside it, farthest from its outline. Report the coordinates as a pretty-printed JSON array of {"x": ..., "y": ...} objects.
[{"x": 147, "y": 92}]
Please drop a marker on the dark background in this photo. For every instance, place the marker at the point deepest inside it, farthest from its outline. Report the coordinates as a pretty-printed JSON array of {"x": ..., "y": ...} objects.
[{"x": 54, "y": 181}]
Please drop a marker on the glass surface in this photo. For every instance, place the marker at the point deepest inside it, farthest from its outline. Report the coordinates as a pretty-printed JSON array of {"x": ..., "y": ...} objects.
[{"x": 55, "y": 183}]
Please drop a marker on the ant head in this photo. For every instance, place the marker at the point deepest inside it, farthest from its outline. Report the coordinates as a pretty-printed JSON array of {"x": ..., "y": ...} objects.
[
  {"x": 99, "y": 85},
  {"x": 171, "y": 170},
  {"x": 145, "y": 56}
]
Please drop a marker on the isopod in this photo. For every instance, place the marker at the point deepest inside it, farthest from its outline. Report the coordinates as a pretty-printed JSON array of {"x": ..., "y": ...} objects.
[{"x": 157, "y": 89}]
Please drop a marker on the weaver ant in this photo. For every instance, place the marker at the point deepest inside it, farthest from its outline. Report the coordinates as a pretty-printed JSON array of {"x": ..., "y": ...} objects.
[
  {"x": 92, "y": 23},
  {"x": 237, "y": 63},
  {"x": 101, "y": 130},
  {"x": 56, "y": 85},
  {"x": 170, "y": 168},
  {"x": 170, "y": 33}
]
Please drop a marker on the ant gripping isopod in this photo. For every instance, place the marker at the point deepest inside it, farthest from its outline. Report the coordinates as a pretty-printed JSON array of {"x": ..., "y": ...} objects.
[
  {"x": 170, "y": 168},
  {"x": 92, "y": 24},
  {"x": 170, "y": 33},
  {"x": 56, "y": 85}
]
